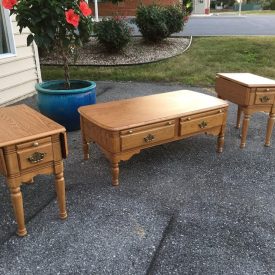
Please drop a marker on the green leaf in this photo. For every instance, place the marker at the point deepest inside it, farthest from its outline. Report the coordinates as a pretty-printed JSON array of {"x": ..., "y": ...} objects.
[{"x": 29, "y": 39}]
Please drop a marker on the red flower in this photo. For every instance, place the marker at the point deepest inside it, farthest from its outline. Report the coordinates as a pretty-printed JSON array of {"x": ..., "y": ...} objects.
[
  {"x": 9, "y": 4},
  {"x": 72, "y": 17},
  {"x": 83, "y": 6}
]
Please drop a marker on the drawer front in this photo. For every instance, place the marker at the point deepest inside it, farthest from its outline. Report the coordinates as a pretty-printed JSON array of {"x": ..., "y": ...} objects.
[
  {"x": 33, "y": 143},
  {"x": 147, "y": 135},
  {"x": 264, "y": 97},
  {"x": 35, "y": 155},
  {"x": 189, "y": 125}
]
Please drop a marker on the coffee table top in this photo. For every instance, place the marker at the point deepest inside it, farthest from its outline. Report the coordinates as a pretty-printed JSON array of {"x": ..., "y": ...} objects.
[
  {"x": 21, "y": 123},
  {"x": 249, "y": 80},
  {"x": 139, "y": 111}
]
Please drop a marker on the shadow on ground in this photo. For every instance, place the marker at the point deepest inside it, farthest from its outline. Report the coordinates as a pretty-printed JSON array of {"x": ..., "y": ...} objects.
[{"x": 181, "y": 208}]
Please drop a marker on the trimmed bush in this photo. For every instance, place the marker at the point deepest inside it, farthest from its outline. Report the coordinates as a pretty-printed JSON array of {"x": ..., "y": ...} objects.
[
  {"x": 152, "y": 23},
  {"x": 174, "y": 19},
  {"x": 156, "y": 22},
  {"x": 113, "y": 33}
]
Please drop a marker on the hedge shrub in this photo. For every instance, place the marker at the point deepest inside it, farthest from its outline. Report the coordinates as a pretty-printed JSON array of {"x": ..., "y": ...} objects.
[
  {"x": 174, "y": 19},
  {"x": 113, "y": 33},
  {"x": 157, "y": 22}
]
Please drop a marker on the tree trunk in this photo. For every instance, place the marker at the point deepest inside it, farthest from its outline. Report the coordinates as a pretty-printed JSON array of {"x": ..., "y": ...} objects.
[{"x": 66, "y": 69}]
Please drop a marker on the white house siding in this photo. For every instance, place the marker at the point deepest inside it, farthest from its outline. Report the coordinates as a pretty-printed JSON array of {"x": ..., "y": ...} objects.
[{"x": 19, "y": 73}]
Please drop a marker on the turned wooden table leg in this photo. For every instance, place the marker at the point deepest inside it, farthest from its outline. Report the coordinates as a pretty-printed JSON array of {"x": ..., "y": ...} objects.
[
  {"x": 85, "y": 144},
  {"x": 115, "y": 173},
  {"x": 244, "y": 129},
  {"x": 60, "y": 191},
  {"x": 239, "y": 114},
  {"x": 269, "y": 129},
  {"x": 220, "y": 141},
  {"x": 17, "y": 202}
]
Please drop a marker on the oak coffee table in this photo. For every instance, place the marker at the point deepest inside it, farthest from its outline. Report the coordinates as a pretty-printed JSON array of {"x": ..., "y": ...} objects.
[
  {"x": 31, "y": 144},
  {"x": 123, "y": 128},
  {"x": 252, "y": 93}
]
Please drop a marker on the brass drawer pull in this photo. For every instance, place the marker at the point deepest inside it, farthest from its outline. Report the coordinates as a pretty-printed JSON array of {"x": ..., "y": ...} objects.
[
  {"x": 35, "y": 144},
  {"x": 36, "y": 157},
  {"x": 149, "y": 138},
  {"x": 203, "y": 124},
  {"x": 264, "y": 99}
]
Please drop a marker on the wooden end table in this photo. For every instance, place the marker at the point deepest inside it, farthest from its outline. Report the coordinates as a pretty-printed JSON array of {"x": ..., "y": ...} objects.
[
  {"x": 31, "y": 144},
  {"x": 252, "y": 93},
  {"x": 123, "y": 128}
]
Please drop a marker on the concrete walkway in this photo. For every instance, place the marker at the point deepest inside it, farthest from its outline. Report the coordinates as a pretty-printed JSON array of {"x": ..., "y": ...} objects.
[{"x": 181, "y": 208}]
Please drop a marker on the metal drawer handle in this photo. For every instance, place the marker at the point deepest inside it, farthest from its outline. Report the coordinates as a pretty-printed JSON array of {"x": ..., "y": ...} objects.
[
  {"x": 36, "y": 157},
  {"x": 149, "y": 138},
  {"x": 203, "y": 124},
  {"x": 264, "y": 99}
]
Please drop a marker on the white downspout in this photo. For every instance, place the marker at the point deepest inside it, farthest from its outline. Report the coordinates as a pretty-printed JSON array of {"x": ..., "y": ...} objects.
[{"x": 96, "y": 10}]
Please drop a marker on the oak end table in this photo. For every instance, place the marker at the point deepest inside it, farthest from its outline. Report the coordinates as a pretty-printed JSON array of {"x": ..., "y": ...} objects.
[
  {"x": 123, "y": 128},
  {"x": 31, "y": 144},
  {"x": 252, "y": 93}
]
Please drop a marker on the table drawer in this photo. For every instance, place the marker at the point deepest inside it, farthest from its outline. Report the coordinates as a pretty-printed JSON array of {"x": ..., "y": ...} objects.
[
  {"x": 35, "y": 155},
  {"x": 264, "y": 97},
  {"x": 147, "y": 135},
  {"x": 189, "y": 125},
  {"x": 34, "y": 143}
]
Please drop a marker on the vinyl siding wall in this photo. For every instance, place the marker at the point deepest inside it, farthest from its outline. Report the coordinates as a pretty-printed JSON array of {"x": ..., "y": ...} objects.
[{"x": 19, "y": 73}]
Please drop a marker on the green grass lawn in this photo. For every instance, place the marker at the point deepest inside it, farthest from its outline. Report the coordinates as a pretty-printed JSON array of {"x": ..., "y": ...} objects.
[
  {"x": 259, "y": 12},
  {"x": 256, "y": 12},
  {"x": 197, "y": 66}
]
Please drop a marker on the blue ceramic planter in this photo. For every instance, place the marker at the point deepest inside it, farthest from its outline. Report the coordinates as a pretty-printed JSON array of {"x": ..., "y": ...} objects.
[{"x": 61, "y": 105}]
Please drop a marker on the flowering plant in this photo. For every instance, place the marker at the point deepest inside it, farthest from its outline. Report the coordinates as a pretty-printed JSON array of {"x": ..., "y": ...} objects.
[{"x": 55, "y": 25}]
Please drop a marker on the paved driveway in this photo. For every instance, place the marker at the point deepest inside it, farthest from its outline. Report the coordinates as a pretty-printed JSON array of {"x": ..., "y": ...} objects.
[
  {"x": 230, "y": 25},
  {"x": 226, "y": 25},
  {"x": 181, "y": 208}
]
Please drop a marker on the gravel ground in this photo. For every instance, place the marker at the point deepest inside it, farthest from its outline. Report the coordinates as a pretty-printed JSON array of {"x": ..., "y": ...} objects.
[{"x": 135, "y": 53}]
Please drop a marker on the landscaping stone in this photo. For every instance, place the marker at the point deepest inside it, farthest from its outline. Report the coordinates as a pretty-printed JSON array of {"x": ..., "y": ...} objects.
[{"x": 136, "y": 52}]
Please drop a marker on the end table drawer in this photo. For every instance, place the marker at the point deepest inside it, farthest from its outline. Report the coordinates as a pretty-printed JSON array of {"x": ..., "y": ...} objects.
[
  {"x": 189, "y": 125},
  {"x": 264, "y": 98},
  {"x": 147, "y": 135},
  {"x": 35, "y": 155},
  {"x": 33, "y": 143}
]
